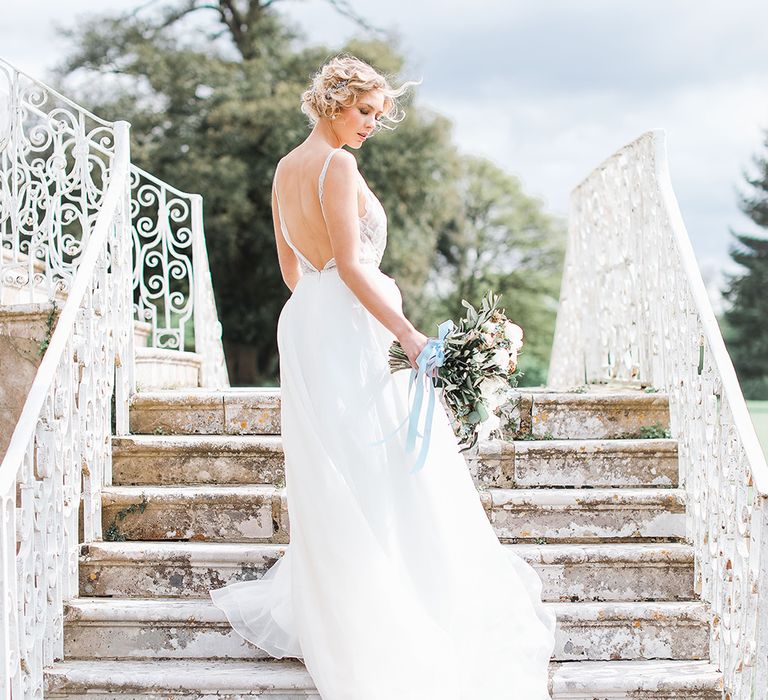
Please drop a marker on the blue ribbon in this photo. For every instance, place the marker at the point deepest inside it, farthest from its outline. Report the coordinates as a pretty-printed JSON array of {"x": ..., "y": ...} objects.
[{"x": 430, "y": 358}]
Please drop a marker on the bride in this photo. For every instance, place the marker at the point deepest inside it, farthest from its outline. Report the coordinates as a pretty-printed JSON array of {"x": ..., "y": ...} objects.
[{"x": 394, "y": 585}]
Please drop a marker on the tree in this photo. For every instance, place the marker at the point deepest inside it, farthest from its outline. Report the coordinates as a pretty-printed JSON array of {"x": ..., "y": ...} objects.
[
  {"x": 745, "y": 320},
  {"x": 212, "y": 90},
  {"x": 502, "y": 240},
  {"x": 214, "y": 108}
]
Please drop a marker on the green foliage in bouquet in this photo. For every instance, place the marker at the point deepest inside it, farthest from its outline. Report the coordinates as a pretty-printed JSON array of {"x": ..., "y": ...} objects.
[{"x": 480, "y": 364}]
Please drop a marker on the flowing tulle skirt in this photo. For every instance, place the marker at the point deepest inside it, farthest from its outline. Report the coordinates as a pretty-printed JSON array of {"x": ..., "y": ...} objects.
[{"x": 394, "y": 585}]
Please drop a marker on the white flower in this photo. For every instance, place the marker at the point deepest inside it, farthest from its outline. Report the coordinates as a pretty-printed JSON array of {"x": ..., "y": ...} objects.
[
  {"x": 494, "y": 392},
  {"x": 501, "y": 358},
  {"x": 514, "y": 334}
]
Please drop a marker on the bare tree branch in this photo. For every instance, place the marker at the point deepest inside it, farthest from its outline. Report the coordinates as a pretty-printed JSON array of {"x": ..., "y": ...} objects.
[
  {"x": 344, "y": 8},
  {"x": 241, "y": 19}
]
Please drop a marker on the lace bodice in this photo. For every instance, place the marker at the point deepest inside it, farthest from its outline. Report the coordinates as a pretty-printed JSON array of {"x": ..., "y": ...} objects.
[{"x": 373, "y": 226}]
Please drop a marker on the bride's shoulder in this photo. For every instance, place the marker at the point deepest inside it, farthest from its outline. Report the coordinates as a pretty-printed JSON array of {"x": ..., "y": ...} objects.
[
  {"x": 342, "y": 164},
  {"x": 336, "y": 163}
]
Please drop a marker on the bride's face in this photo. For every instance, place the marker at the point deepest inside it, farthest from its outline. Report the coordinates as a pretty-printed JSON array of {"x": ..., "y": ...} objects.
[{"x": 355, "y": 124}]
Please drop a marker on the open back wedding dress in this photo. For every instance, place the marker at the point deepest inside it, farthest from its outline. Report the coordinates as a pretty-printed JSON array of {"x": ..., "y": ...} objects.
[{"x": 394, "y": 585}]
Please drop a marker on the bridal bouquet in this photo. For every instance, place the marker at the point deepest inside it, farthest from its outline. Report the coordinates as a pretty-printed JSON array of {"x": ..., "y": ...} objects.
[{"x": 474, "y": 363}]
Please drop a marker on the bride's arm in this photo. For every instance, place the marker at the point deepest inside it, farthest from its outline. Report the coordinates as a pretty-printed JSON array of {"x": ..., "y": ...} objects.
[{"x": 340, "y": 211}]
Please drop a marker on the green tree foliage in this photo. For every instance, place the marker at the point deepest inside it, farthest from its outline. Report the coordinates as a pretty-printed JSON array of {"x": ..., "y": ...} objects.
[
  {"x": 212, "y": 90},
  {"x": 502, "y": 240},
  {"x": 745, "y": 324}
]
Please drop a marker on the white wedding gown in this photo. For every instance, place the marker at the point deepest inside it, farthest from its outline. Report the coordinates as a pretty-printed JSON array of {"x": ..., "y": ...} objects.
[{"x": 394, "y": 585}]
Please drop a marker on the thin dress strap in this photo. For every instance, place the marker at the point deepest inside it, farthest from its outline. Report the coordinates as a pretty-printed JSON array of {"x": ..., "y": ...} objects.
[
  {"x": 283, "y": 227},
  {"x": 321, "y": 180}
]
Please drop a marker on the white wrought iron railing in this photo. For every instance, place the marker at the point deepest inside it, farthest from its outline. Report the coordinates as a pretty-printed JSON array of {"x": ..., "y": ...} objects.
[
  {"x": 51, "y": 186},
  {"x": 54, "y": 160},
  {"x": 633, "y": 306},
  {"x": 66, "y": 232},
  {"x": 60, "y": 450},
  {"x": 173, "y": 290}
]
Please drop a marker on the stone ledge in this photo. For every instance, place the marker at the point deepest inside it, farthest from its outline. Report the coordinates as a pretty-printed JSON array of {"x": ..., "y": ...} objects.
[
  {"x": 259, "y": 513},
  {"x": 178, "y": 628},
  {"x": 206, "y": 411},
  {"x": 541, "y": 414},
  {"x": 590, "y": 415},
  {"x": 586, "y": 514},
  {"x": 243, "y": 513},
  {"x": 197, "y": 459},
  {"x": 575, "y": 463},
  {"x": 288, "y": 679},
  {"x": 569, "y": 572},
  {"x": 258, "y": 458}
]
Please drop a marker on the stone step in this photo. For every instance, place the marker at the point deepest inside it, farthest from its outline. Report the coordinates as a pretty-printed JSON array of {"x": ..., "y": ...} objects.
[
  {"x": 582, "y": 572},
  {"x": 246, "y": 513},
  {"x": 576, "y": 463},
  {"x": 288, "y": 679},
  {"x": 575, "y": 416},
  {"x": 197, "y": 459},
  {"x": 183, "y": 628},
  {"x": 540, "y": 414},
  {"x": 259, "y": 513},
  {"x": 235, "y": 411},
  {"x": 578, "y": 515},
  {"x": 259, "y": 459}
]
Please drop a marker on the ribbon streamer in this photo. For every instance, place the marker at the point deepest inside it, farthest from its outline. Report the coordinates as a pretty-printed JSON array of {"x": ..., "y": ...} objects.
[{"x": 429, "y": 360}]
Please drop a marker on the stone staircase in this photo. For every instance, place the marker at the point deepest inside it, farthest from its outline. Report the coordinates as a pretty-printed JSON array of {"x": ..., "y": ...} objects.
[{"x": 198, "y": 501}]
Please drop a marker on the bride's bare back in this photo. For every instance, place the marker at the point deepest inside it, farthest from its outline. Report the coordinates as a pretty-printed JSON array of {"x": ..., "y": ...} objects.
[
  {"x": 299, "y": 178},
  {"x": 322, "y": 223}
]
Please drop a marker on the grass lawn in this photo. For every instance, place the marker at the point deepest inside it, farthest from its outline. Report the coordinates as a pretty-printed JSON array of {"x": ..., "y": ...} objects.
[{"x": 759, "y": 412}]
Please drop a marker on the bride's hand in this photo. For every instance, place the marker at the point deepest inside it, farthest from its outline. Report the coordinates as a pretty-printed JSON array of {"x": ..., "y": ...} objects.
[{"x": 413, "y": 343}]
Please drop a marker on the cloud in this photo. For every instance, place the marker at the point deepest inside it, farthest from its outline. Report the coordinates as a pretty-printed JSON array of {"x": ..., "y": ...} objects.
[
  {"x": 592, "y": 47},
  {"x": 548, "y": 90}
]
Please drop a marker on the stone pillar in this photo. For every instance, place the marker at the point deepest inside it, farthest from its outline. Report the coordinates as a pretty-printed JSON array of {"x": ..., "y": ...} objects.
[{"x": 23, "y": 332}]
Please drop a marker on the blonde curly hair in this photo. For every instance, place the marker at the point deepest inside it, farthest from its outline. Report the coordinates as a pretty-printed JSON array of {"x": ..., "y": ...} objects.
[{"x": 340, "y": 82}]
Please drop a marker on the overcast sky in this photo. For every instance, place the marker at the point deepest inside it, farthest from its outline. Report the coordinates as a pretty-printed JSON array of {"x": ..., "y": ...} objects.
[{"x": 549, "y": 89}]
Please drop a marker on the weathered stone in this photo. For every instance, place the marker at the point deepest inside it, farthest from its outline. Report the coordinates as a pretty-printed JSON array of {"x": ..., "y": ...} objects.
[
  {"x": 598, "y": 519},
  {"x": 240, "y": 513},
  {"x": 168, "y": 569},
  {"x": 174, "y": 628},
  {"x": 197, "y": 459},
  {"x": 231, "y": 459},
  {"x": 249, "y": 412},
  {"x": 583, "y": 416},
  {"x": 160, "y": 368},
  {"x": 177, "y": 412},
  {"x": 213, "y": 513},
  {"x": 142, "y": 332},
  {"x": 569, "y": 572},
  {"x": 540, "y": 414},
  {"x": 632, "y": 630},
  {"x": 588, "y": 514},
  {"x": 492, "y": 464},
  {"x": 633, "y": 571},
  {"x": 287, "y": 679},
  {"x": 24, "y": 330},
  {"x": 596, "y": 463},
  {"x": 658, "y": 679}
]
